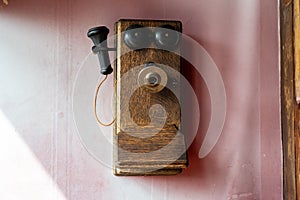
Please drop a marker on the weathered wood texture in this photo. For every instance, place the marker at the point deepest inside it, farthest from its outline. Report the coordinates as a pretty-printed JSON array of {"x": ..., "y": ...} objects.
[
  {"x": 297, "y": 148},
  {"x": 297, "y": 87},
  {"x": 297, "y": 48},
  {"x": 288, "y": 102},
  {"x": 137, "y": 151}
]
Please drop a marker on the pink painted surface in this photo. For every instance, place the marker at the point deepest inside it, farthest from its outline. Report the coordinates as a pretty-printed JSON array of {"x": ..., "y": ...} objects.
[{"x": 43, "y": 44}]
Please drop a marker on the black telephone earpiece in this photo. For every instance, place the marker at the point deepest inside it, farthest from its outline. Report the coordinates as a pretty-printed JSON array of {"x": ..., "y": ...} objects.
[{"x": 99, "y": 37}]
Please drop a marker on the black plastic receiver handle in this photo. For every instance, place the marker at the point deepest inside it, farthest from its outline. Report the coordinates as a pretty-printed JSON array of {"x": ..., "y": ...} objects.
[{"x": 99, "y": 36}]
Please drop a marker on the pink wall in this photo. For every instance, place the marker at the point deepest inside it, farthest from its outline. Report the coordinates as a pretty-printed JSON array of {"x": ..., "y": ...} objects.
[{"x": 43, "y": 44}]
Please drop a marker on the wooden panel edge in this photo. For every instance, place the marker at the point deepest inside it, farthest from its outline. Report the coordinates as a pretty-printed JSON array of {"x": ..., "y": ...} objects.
[
  {"x": 287, "y": 99},
  {"x": 297, "y": 87},
  {"x": 297, "y": 48}
]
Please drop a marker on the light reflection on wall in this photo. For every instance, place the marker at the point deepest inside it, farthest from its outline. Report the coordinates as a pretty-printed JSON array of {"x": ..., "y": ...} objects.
[{"x": 22, "y": 175}]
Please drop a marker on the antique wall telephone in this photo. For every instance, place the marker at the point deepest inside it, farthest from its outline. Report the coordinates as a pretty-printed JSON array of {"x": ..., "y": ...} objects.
[{"x": 146, "y": 137}]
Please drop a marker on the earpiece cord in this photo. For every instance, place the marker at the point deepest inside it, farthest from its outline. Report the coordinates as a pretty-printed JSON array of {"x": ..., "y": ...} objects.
[{"x": 95, "y": 105}]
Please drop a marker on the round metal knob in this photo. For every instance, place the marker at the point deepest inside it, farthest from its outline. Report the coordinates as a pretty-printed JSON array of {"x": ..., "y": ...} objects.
[{"x": 152, "y": 78}]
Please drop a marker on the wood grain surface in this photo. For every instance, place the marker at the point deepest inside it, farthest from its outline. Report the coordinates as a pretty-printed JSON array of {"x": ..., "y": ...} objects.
[
  {"x": 144, "y": 153},
  {"x": 297, "y": 48},
  {"x": 288, "y": 102},
  {"x": 297, "y": 87}
]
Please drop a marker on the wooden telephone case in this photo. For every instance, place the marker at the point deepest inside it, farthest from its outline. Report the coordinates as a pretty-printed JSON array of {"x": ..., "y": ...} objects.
[{"x": 163, "y": 153}]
